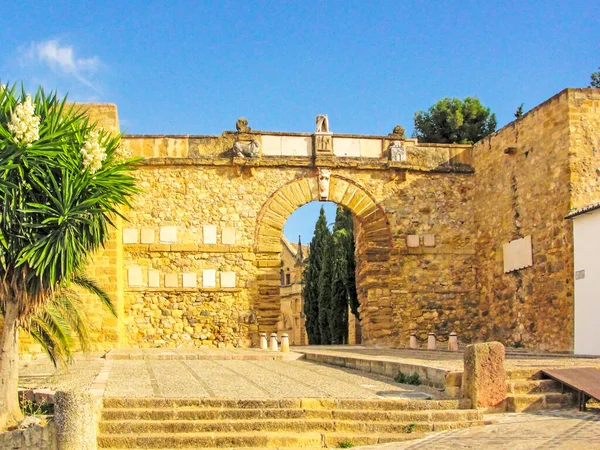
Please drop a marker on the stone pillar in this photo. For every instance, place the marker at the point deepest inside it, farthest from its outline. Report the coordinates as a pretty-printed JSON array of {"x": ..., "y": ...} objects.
[
  {"x": 484, "y": 378},
  {"x": 263, "y": 341},
  {"x": 431, "y": 341},
  {"x": 453, "y": 342},
  {"x": 274, "y": 346},
  {"x": 413, "y": 341},
  {"x": 285, "y": 343},
  {"x": 75, "y": 415}
]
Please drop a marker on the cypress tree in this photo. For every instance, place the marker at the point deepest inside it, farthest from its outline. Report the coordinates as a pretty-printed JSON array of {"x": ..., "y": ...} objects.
[
  {"x": 312, "y": 271},
  {"x": 324, "y": 298}
]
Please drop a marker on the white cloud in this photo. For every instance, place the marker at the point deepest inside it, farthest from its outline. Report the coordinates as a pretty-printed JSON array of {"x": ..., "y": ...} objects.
[{"x": 62, "y": 60}]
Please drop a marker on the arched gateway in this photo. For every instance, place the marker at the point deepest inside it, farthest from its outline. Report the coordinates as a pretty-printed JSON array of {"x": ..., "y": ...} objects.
[{"x": 374, "y": 241}]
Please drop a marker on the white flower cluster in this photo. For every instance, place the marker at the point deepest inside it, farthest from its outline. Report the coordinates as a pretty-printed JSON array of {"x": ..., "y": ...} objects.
[
  {"x": 24, "y": 124},
  {"x": 122, "y": 153},
  {"x": 93, "y": 153}
]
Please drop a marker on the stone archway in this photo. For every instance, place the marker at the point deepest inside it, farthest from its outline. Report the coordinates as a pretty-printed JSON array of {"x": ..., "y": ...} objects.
[{"x": 373, "y": 248}]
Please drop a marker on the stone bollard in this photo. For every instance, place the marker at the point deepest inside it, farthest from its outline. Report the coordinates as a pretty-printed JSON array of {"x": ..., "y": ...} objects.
[
  {"x": 431, "y": 341},
  {"x": 453, "y": 342},
  {"x": 274, "y": 346},
  {"x": 484, "y": 378},
  {"x": 263, "y": 341},
  {"x": 75, "y": 415},
  {"x": 413, "y": 341},
  {"x": 285, "y": 343}
]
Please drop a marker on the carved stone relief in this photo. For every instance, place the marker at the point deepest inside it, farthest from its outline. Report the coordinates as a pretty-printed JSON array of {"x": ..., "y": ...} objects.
[
  {"x": 324, "y": 176},
  {"x": 249, "y": 149},
  {"x": 397, "y": 151}
]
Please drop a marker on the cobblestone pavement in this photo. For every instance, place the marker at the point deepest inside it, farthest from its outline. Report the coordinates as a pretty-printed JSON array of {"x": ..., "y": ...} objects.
[
  {"x": 559, "y": 429},
  {"x": 454, "y": 360}
]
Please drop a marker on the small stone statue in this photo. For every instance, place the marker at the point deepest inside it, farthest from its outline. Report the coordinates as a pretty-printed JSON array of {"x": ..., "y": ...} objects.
[
  {"x": 246, "y": 149},
  {"x": 322, "y": 124},
  {"x": 242, "y": 125},
  {"x": 324, "y": 176},
  {"x": 397, "y": 151},
  {"x": 398, "y": 132}
]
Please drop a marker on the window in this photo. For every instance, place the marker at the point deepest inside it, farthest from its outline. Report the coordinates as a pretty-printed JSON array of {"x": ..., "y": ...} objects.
[
  {"x": 288, "y": 279},
  {"x": 281, "y": 277}
]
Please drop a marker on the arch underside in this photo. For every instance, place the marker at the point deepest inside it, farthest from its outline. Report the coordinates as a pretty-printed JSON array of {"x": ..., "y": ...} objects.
[{"x": 373, "y": 244}]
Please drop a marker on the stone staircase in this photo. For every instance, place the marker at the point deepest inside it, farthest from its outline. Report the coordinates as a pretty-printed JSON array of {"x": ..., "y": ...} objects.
[
  {"x": 526, "y": 391},
  {"x": 308, "y": 423}
]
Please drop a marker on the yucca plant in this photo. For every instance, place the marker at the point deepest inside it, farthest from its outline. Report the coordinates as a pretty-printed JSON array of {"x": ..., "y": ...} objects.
[
  {"x": 62, "y": 180},
  {"x": 62, "y": 326}
]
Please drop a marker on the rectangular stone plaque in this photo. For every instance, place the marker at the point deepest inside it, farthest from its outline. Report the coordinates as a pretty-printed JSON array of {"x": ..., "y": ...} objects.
[
  {"x": 227, "y": 279},
  {"x": 579, "y": 274},
  {"x": 171, "y": 280},
  {"x": 429, "y": 240},
  {"x": 209, "y": 278},
  {"x": 153, "y": 278},
  {"x": 168, "y": 235},
  {"x": 134, "y": 276},
  {"x": 130, "y": 236},
  {"x": 147, "y": 236},
  {"x": 412, "y": 240},
  {"x": 189, "y": 280},
  {"x": 517, "y": 254},
  {"x": 228, "y": 236},
  {"x": 209, "y": 234}
]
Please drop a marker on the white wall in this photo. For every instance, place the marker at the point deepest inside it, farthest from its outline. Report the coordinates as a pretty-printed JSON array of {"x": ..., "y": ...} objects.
[{"x": 586, "y": 231}]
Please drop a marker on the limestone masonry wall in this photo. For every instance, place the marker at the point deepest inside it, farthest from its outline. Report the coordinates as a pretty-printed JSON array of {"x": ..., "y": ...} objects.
[{"x": 197, "y": 261}]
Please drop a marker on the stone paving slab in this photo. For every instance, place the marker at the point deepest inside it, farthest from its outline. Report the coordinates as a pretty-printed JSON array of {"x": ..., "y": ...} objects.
[
  {"x": 560, "y": 429},
  {"x": 199, "y": 353},
  {"x": 251, "y": 379}
]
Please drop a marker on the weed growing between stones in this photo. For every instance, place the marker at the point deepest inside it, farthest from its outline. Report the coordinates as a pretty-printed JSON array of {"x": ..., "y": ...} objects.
[
  {"x": 346, "y": 444},
  {"x": 410, "y": 428},
  {"x": 32, "y": 408},
  {"x": 413, "y": 379}
]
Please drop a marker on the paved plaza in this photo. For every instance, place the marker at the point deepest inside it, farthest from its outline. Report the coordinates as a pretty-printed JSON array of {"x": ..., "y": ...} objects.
[{"x": 250, "y": 373}]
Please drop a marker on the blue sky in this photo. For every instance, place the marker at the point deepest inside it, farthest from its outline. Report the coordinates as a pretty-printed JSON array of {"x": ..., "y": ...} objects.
[{"x": 194, "y": 67}]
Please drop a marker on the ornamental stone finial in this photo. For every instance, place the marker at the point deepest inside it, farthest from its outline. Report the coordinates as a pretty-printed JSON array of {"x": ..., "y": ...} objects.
[
  {"x": 242, "y": 125},
  {"x": 398, "y": 132}
]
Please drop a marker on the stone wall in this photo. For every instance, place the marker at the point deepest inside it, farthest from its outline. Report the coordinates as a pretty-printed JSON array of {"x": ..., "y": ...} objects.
[
  {"x": 36, "y": 437},
  {"x": 528, "y": 176}
]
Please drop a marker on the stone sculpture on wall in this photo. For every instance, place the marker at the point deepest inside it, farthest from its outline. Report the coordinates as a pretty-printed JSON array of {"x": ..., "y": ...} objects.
[
  {"x": 398, "y": 132},
  {"x": 397, "y": 151},
  {"x": 322, "y": 124},
  {"x": 246, "y": 149},
  {"x": 324, "y": 176},
  {"x": 242, "y": 125}
]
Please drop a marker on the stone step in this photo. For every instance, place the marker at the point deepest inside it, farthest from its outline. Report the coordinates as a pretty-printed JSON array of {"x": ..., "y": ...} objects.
[
  {"x": 536, "y": 402},
  {"x": 249, "y": 439},
  {"x": 532, "y": 386},
  {"x": 305, "y": 403},
  {"x": 274, "y": 425},
  {"x": 523, "y": 374},
  {"x": 187, "y": 413}
]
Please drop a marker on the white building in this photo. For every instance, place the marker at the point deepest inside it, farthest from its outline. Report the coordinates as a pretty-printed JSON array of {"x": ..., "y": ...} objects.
[{"x": 586, "y": 239}]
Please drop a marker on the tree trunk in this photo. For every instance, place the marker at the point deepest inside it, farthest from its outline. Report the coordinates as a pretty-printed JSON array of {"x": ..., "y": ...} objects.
[{"x": 10, "y": 413}]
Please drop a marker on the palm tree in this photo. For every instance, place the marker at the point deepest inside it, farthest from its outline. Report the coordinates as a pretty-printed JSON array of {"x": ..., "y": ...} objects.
[{"x": 62, "y": 179}]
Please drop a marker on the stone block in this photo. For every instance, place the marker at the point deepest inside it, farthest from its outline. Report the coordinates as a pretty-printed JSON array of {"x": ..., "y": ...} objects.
[
  {"x": 209, "y": 278},
  {"x": 370, "y": 148},
  {"x": 228, "y": 236},
  {"x": 412, "y": 241},
  {"x": 130, "y": 236},
  {"x": 484, "y": 377},
  {"x": 429, "y": 240},
  {"x": 209, "y": 234},
  {"x": 134, "y": 276},
  {"x": 227, "y": 279},
  {"x": 168, "y": 235},
  {"x": 171, "y": 280},
  {"x": 346, "y": 147},
  {"x": 189, "y": 280},
  {"x": 296, "y": 146},
  {"x": 153, "y": 278},
  {"x": 147, "y": 236},
  {"x": 75, "y": 418}
]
